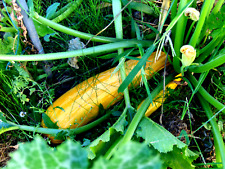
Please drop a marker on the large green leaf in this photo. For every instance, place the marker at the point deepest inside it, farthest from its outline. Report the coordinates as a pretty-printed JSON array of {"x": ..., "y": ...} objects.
[
  {"x": 173, "y": 151},
  {"x": 157, "y": 136},
  {"x": 132, "y": 155},
  {"x": 38, "y": 155}
]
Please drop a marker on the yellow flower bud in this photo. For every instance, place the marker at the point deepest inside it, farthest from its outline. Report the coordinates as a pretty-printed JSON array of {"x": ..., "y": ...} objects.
[
  {"x": 188, "y": 55},
  {"x": 192, "y": 13}
]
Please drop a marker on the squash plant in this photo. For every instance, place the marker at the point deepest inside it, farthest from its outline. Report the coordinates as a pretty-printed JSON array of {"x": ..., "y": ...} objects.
[{"x": 203, "y": 37}]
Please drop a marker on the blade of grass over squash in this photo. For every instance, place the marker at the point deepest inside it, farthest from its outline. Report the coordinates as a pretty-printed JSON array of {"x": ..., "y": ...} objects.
[
  {"x": 136, "y": 69},
  {"x": 124, "y": 54}
]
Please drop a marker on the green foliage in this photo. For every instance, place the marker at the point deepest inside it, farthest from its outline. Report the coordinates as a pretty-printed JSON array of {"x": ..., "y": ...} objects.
[
  {"x": 178, "y": 158},
  {"x": 51, "y": 10},
  {"x": 132, "y": 155},
  {"x": 215, "y": 23},
  {"x": 100, "y": 145},
  {"x": 48, "y": 123},
  {"x": 9, "y": 44},
  {"x": 37, "y": 154}
]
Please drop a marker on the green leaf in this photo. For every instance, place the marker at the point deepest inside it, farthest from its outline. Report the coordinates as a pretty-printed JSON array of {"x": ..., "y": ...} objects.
[
  {"x": 132, "y": 155},
  {"x": 9, "y": 44},
  {"x": 216, "y": 23},
  {"x": 37, "y": 154},
  {"x": 32, "y": 90},
  {"x": 30, "y": 5},
  {"x": 173, "y": 151},
  {"x": 52, "y": 10},
  {"x": 157, "y": 136},
  {"x": 48, "y": 122},
  {"x": 140, "y": 7},
  {"x": 47, "y": 37},
  {"x": 42, "y": 29},
  {"x": 177, "y": 159},
  {"x": 100, "y": 145},
  {"x": 136, "y": 69}
]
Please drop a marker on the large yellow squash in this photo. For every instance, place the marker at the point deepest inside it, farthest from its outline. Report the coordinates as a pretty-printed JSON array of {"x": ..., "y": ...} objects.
[{"x": 80, "y": 105}]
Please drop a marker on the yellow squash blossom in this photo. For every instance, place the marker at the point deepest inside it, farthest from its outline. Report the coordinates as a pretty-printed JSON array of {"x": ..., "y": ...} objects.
[
  {"x": 192, "y": 13},
  {"x": 188, "y": 55}
]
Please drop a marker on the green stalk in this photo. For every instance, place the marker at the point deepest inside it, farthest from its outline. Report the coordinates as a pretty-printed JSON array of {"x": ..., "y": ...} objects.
[
  {"x": 198, "y": 29},
  {"x": 215, "y": 129},
  {"x": 219, "y": 4},
  {"x": 50, "y": 131},
  {"x": 106, "y": 48},
  {"x": 172, "y": 16},
  {"x": 179, "y": 36},
  {"x": 141, "y": 111},
  {"x": 8, "y": 29},
  {"x": 73, "y": 6},
  {"x": 117, "y": 6},
  {"x": 209, "y": 48},
  {"x": 217, "y": 61},
  {"x": 205, "y": 94},
  {"x": 189, "y": 31},
  {"x": 72, "y": 32},
  {"x": 174, "y": 9}
]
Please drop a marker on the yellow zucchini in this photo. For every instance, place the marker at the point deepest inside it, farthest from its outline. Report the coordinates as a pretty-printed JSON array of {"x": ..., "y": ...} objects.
[
  {"x": 80, "y": 104},
  {"x": 159, "y": 99}
]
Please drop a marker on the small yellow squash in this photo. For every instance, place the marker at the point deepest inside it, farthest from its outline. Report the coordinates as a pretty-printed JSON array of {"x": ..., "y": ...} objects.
[{"x": 159, "y": 99}]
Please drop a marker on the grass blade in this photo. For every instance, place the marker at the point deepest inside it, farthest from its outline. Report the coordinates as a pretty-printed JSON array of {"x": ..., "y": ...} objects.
[{"x": 136, "y": 69}]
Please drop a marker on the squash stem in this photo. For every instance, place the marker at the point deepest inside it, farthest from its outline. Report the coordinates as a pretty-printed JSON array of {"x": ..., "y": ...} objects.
[
  {"x": 206, "y": 95},
  {"x": 13, "y": 126},
  {"x": 217, "y": 61},
  {"x": 141, "y": 111},
  {"x": 204, "y": 13},
  {"x": 100, "y": 49},
  {"x": 179, "y": 36},
  {"x": 69, "y": 9},
  {"x": 117, "y": 13},
  {"x": 72, "y": 32}
]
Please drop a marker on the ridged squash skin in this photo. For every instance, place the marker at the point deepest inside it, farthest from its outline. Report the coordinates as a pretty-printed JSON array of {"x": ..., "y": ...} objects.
[{"x": 81, "y": 103}]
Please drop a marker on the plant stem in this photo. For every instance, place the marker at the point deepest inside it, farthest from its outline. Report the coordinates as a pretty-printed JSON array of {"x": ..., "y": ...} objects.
[
  {"x": 198, "y": 29},
  {"x": 106, "y": 48},
  {"x": 8, "y": 29},
  {"x": 117, "y": 6},
  {"x": 189, "y": 31},
  {"x": 72, "y": 32},
  {"x": 71, "y": 8},
  {"x": 55, "y": 131},
  {"x": 217, "y": 61},
  {"x": 141, "y": 111},
  {"x": 179, "y": 36},
  {"x": 219, "y": 4},
  {"x": 215, "y": 129},
  {"x": 205, "y": 94},
  {"x": 204, "y": 52}
]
